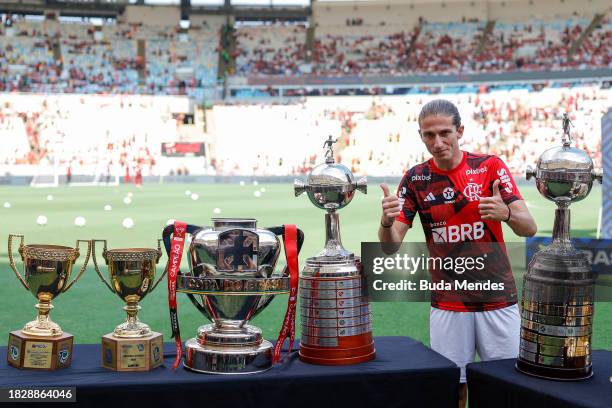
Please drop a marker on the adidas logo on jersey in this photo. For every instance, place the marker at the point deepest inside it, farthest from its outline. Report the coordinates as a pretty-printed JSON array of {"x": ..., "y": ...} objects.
[{"x": 430, "y": 197}]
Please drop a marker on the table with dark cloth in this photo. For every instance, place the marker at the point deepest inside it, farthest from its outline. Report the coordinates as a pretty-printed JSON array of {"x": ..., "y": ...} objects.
[
  {"x": 498, "y": 384},
  {"x": 405, "y": 373}
]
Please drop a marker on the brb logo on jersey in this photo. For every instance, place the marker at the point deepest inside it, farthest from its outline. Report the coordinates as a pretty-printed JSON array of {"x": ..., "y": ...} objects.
[
  {"x": 458, "y": 233},
  {"x": 472, "y": 191}
]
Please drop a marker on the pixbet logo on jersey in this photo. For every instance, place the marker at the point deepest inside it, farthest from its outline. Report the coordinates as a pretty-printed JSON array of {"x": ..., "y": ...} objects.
[
  {"x": 458, "y": 233},
  {"x": 422, "y": 177},
  {"x": 472, "y": 172}
]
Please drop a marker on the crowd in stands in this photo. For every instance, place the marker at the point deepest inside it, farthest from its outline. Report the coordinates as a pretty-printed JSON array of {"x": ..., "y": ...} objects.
[
  {"x": 88, "y": 134},
  {"x": 447, "y": 48},
  {"x": 377, "y": 136},
  {"x": 270, "y": 49},
  {"x": 50, "y": 56}
]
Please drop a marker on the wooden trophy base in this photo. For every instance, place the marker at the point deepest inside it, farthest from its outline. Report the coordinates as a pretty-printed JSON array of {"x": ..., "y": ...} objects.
[
  {"x": 39, "y": 353},
  {"x": 127, "y": 354}
]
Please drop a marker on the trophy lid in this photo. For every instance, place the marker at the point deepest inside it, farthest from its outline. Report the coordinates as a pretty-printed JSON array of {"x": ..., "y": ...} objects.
[
  {"x": 564, "y": 173},
  {"x": 330, "y": 185}
]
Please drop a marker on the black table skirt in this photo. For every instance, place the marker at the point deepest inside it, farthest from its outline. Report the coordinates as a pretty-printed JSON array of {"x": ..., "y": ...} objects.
[
  {"x": 498, "y": 384},
  {"x": 405, "y": 373}
]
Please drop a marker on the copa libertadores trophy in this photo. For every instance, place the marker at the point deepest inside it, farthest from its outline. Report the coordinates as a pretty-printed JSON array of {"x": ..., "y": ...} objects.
[
  {"x": 335, "y": 312},
  {"x": 232, "y": 278},
  {"x": 42, "y": 344},
  {"x": 558, "y": 288},
  {"x": 132, "y": 346}
]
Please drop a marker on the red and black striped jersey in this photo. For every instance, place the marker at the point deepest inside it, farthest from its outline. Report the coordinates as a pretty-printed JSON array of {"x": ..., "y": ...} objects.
[{"x": 447, "y": 204}]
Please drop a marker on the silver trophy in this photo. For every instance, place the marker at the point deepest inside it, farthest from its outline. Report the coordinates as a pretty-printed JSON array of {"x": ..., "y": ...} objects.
[
  {"x": 335, "y": 312},
  {"x": 558, "y": 288},
  {"x": 232, "y": 278}
]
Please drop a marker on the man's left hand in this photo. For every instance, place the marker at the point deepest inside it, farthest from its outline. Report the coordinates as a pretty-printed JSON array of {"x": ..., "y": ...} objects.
[{"x": 493, "y": 208}]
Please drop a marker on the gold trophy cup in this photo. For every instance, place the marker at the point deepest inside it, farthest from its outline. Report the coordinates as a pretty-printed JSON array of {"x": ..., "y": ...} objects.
[
  {"x": 42, "y": 344},
  {"x": 132, "y": 346}
]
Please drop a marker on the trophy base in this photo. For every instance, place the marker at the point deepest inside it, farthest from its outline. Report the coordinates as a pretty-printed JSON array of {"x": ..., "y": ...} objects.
[
  {"x": 39, "y": 353},
  {"x": 558, "y": 374},
  {"x": 344, "y": 354},
  {"x": 211, "y": 359},
  {"x": 132, "y": 354}
]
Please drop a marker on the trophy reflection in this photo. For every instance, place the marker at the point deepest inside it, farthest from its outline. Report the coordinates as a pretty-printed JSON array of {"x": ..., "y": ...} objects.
[
  {"x": 132, "y": 346},
  {"x": 42, "y": 344}
]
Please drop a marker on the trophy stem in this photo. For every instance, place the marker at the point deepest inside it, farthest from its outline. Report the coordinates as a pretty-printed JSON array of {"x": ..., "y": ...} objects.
[
  {"x": 132, "y": 327},
  {"x": 43, "y": 326},
  {"x": 333, "y": 242},
  {"x": 561, "y": 228}
]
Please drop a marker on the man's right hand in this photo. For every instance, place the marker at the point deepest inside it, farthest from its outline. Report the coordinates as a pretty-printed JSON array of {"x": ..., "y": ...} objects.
[{"x": 390, "y": 205}]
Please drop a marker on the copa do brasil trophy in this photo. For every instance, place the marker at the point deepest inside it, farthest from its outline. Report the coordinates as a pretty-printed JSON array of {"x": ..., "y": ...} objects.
[
  {"x": 132, "y": 346},
  {"x": 42, "y": 344},
  {"x": 232, "y": 277},
  {"x": 558, "y": 289},
  {"x": 335, "y": 312}
]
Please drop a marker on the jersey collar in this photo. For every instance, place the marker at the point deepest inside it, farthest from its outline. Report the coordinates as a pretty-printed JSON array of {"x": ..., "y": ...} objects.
[{"x": 435, "y": 168}]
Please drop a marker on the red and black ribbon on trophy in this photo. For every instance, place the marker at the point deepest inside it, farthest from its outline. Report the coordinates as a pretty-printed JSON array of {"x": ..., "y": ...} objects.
[
  {"x": 174, "y": 262},
  {"x": 293, "y": 239}
]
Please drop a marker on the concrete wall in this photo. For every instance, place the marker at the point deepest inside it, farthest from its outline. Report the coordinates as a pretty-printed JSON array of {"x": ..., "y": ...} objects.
[
  {"x": 396, "y": 12},
  {"x": 152, "y": 15}
]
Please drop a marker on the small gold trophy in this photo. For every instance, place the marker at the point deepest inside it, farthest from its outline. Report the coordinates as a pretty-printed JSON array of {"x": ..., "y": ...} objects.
[
  {"x": 42, "y": 344},
  {"x": 132, "y": 346}
]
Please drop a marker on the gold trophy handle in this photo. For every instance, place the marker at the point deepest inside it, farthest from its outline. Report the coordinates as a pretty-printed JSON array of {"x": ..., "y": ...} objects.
[
  {"x": 84, "y": 267},
  {"x": 159, "y": 254},
  {"x": 12, "y": 261},
  {"x": 93, "y": 258}
]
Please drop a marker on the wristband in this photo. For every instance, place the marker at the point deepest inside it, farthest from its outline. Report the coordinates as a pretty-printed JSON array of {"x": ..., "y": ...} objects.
[
  {"x": 509, "y": 214},
  {"x": 385, "y": 226}
]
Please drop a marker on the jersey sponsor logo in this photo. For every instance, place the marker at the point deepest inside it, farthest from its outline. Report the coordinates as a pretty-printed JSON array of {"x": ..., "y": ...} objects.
[
  {"x": 458, "y": 233},
  {"x": 473, "y": 172},
  {"x": 421, "y": 177},
  {"x": 430, "y": 197},
  {"x": 402, "y": 196},
  {"x": 448, "y": 193},
  {"x": 472, "y": 191},
  {"x": 504, "y": 179}
]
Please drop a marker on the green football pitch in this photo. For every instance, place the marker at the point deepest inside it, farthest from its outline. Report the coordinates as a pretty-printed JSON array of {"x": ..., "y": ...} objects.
[{"x": 89, "y": 310}]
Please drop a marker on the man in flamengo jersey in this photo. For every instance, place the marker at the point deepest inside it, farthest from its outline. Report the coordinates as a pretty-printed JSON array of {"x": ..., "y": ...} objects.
[{"x": 460, "y": 197}]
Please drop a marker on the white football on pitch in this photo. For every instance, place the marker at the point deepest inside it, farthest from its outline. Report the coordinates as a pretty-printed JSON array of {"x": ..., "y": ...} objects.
[
  {"x": 49, "y": 197},
  {"x": 41, "y": 220},
  {"x": 127, "y": 223},
  {"x": 7, "y": 205},
  {"x": 257, "y": 193},
  {"x": 127, "y": 200},
  {"x": 108, "y": 207},
  {"x": 194, "y": 196},
  {"x": 187, "y": 192},
  {"x": 217, "y": 210},
  {"x": 80, "y": 221}
]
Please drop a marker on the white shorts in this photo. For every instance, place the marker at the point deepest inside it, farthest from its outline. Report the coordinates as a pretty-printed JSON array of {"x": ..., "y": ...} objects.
[{"x": 459, "y": 335}]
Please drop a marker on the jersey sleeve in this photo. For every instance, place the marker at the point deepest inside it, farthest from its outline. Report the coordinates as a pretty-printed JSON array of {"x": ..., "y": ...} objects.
[
  {"x": 407, "y": 198},
  {"x": 507, "y": 186}
]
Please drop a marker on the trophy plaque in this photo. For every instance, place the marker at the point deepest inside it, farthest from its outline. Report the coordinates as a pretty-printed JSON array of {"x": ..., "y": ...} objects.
[
  {"x": 232, "y": 278},
  {"x": 132, "y": 346},
  {"x": 335, "y": 312},
  {"x": 41, "y": 344},
  {"x": 557, "y": 304}
]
